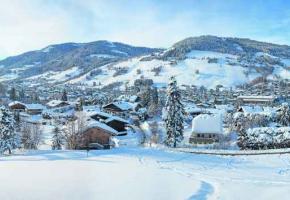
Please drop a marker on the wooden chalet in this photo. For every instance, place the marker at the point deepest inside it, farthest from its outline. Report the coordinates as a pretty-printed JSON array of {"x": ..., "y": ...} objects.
[
  {"x": 17, "y": 106},
  {"x": 114, "y": 122},
  {"x": 34, "y": 109},
  {"x": 97, "y": 136}
]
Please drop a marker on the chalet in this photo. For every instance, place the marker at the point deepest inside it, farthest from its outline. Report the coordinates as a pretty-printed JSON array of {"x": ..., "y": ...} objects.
[
  {"x": 117, "y": 124},
  {"x": 17, "y": 106},
  {"x": 97, "y": 136},
  {"x": 114, "y": 122},
  {"x": 206, "y": 129},
  {"x": 121, "y": 107},
  {"x": 34, "y": 109},
  {"x": 193, "y": 110},
  {"x": 31, "y": 119}
]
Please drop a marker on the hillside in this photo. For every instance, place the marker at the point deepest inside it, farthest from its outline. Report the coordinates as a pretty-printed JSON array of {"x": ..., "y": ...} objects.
[
  {"x": 61, "y": 57},
  {"x": 204, "y": 60}
]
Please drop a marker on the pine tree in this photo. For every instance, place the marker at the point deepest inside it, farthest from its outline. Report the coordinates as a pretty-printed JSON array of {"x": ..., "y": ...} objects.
[
  {"x": 9, "y": 139},
  {"x": 57, "y": 139},
  {"x": 64, "y": 95},
  {"x": 13, "y": 95},
  {"x": 22, "y": 94},
  {"x": 174, "y": 115}
]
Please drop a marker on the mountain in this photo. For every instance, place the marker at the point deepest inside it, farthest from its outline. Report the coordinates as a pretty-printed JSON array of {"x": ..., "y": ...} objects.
[
  {"x": 234, "y": 46},
  {"x": 62, "y": 57},
  {"x": 204, "y": 60}
]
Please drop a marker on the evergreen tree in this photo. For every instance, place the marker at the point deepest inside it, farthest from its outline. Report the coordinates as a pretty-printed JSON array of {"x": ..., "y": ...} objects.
[
  {"x": 22, "y": 94},
  {"x": 9, "y": 139},
  {"x": 13, "y": 95},
  {"x": 174, "y": 115},
  {"x": 57, "y": 139},
  {"x": 35, "y": 97},
  {"x": 64, "y": 95},
  {"x": 2, "y": 89}
]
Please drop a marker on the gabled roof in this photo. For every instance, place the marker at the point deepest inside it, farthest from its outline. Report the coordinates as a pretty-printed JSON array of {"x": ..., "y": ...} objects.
[
  {"x": 34, "y": 106},
  {"x": 121, "y": 105},
  {"x": 97, "y": 124},
  {"x": 206, "y": 123},
  {"x": 115, "y": 118},
  {"x": 15, "y": 103},
  {"x": 54, "y": 103}
]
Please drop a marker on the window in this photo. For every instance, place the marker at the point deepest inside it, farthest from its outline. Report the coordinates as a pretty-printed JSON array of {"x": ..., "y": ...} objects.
[
  {"x": 209, "y": 135},
  {"x": 198, "y": 135}
]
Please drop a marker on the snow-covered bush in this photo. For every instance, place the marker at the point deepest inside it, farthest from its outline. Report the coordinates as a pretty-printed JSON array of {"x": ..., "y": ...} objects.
[
  {"x": 283, "y": 115},
  {"x": 267, "y": 138}
]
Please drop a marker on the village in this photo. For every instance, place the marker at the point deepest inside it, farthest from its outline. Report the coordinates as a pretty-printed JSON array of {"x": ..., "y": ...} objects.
[{"x": 83, "y": 117}]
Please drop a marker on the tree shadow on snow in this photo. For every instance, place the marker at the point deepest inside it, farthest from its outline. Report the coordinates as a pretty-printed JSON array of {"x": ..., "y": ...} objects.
[{"x": 203, "y": 193}]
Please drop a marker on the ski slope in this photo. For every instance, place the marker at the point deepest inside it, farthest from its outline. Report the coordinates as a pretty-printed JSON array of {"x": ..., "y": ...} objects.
[
  {"x": 142, "y": 173},
  {"x": 194, "y": 70}
]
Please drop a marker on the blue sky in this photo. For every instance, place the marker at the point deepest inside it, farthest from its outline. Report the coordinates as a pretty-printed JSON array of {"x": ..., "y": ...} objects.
[{"x": 34, "y": 24}]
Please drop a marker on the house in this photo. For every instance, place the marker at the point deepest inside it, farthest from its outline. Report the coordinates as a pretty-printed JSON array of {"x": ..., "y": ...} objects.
[
  {"x": 193, "y": 110},
  {"x": 96, "y": 136},
  {"x": 114, "y": 122},
  {"x": 34, "y": 109},
  {"x": 206, "y": 129},
  {"x": 31, "y": 119},
  {"x": 120, "y": 107},
  {"x": 118, "y": 124},
  {"x": 17, "y": 106},
  {"x": 264, "y": 100}
]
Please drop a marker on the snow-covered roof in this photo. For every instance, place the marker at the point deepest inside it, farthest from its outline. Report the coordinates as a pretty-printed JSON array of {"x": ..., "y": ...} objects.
[
  {"x": 54, "y": 103},
  {"x": 15, "y": 103},
  {"x": 257, "y": 98},
  {"x": 93, "y": 124},
  {"x": 251, "y": 109},
  {"x": 123, "y": 105},
  {"x": 112, "y": 118},
  {"x": 34, "y": 106},
  {"x": 192, "y": 109},
  {"x": 206, "y": 123}
]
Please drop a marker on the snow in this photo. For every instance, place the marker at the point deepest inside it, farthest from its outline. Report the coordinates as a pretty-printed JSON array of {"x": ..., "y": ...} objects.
[
  {"x": 101, "y": 56},
  {"x": 47, "y": 49},
  {"x": 34, "y": 107},
  {"x": 123, "y": 105},
  {"x": 206, "y": 123},
  {"x": 143, "y": 173},
  {"x": 54, "y": 76},
  {"x": 119, "y": 52},
  {"x": 15, "y": 103},
  {"x": 251, "y": 109},
  {"x": 284, "y": 73},
  {"x": 94, "y": 123},
  {"x": 210, "y": 74}
]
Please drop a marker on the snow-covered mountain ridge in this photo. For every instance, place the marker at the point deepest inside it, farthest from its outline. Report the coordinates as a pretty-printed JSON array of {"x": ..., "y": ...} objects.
[{"x": 205, "y": 60}]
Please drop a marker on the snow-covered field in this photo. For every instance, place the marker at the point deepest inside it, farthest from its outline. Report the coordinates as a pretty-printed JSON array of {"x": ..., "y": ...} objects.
[{"x": 142, "y": 173}]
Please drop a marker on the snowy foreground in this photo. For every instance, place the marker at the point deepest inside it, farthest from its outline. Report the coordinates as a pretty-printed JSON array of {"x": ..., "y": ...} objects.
[{"x": 140, "y": 173}]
